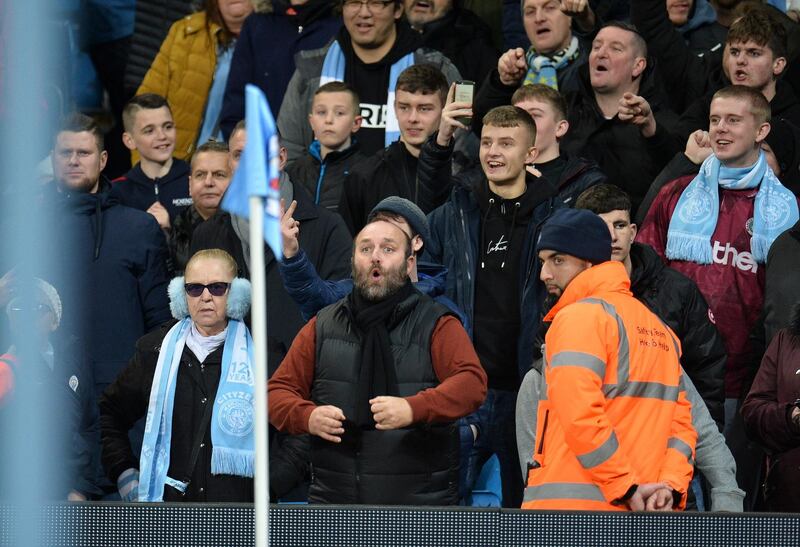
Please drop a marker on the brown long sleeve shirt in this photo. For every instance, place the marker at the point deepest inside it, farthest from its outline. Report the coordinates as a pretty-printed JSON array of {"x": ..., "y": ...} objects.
[{"x": 461, "y": 390}]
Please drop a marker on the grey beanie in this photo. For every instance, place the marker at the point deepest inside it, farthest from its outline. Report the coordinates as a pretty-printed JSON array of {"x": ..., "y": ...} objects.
[
  {"x": 51, "y": 295},
  {"x": 409, "y": 211}
]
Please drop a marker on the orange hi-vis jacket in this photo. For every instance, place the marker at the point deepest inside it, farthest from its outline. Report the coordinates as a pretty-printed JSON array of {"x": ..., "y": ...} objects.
[{"x": 616, "y": 412}]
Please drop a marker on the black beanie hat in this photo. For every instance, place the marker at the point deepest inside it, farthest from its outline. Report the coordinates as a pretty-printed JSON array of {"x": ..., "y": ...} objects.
[{"x": 576, "y": 232}]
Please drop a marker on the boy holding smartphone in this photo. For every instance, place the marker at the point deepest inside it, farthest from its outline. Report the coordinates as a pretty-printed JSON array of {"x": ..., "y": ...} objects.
[{"x": 419, "y": 99}]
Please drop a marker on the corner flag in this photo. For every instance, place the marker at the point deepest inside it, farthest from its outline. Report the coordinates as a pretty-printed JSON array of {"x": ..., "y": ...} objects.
[{"x": 258, "y": 172}]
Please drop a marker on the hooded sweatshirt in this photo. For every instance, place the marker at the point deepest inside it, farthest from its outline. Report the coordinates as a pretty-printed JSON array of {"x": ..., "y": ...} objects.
[
  {"x": 372, "y": 83},
  {"x": 324, "y": 178},
  {"x": 137, "y": 190},
  {"x": 497, "y": 299},
  {"x": 702, "y": 32}
]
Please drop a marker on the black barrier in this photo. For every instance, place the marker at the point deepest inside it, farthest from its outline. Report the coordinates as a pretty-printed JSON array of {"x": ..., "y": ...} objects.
[{"x": 216, "y": 525}]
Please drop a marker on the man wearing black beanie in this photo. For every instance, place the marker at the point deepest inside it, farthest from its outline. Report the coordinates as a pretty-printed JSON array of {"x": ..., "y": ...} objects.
[{"x": 614, "y": 432}]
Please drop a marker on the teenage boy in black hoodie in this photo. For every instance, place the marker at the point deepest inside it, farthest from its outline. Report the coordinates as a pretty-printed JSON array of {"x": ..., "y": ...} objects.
[
  {"x": 158, "y": 183},
  {"x": 420, "y": 96},
  {"x": 369, "y": 52},
  {"x": 485, "y": 235}
]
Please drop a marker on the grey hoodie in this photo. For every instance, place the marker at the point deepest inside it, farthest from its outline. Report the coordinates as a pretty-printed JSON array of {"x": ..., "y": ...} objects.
[{"x": 712, "y": 456}]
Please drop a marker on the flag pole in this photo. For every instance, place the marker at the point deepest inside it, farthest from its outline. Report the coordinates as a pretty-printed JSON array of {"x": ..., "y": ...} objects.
[{"x": 259, "y": 331}]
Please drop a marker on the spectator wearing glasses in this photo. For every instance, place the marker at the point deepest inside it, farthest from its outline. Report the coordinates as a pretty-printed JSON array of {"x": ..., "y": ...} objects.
[
  {"x": 198, "y": 440},
  {"x": 369, "y": 53},
  {"x": 58, "y": 378}
]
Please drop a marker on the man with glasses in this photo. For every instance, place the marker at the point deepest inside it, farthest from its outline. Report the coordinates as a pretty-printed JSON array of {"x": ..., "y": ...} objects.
[
  {"x": 369, "y": 53},
  {"x": 55, "y": 374}
]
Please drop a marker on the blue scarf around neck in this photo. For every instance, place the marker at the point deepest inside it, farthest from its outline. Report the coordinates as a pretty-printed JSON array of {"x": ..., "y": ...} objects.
[
  {"x": 543, "y": 69},
  {"x": 333, "y": 71},
  {"x": 232, "y": 417},
  {"x": 695, "y": 217}
]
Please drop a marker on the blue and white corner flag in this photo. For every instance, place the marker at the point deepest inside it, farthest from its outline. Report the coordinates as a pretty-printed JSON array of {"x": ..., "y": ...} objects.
[{"x": 258, "y": 172}]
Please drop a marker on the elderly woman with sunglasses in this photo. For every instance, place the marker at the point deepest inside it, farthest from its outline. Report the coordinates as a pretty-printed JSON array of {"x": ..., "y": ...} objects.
[{"x": 193, "y": 381}]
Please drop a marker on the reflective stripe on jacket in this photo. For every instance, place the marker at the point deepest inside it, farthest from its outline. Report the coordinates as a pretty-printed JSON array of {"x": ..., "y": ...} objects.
[{"x": 616, "y": 412}]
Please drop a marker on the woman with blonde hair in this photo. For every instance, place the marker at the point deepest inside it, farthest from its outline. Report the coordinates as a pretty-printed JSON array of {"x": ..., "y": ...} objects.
[{"x": 193, "y": 381}]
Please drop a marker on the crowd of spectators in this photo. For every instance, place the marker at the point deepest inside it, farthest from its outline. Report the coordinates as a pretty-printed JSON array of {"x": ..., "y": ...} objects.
[{"x": 594, "y": 257}]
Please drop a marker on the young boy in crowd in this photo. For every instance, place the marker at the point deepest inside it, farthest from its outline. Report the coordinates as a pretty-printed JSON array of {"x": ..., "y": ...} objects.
[
  {"x": 158, "y": 183},
  {"x": 334, "y": 117}
]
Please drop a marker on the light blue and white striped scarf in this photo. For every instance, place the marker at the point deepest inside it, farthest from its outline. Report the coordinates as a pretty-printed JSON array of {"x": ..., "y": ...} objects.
[
  {"x": 231, "y": 419},
  {"x": 695, "y": 217},
  {"x": 333, "y": 71},
  {"x": 543, "y": 69}
]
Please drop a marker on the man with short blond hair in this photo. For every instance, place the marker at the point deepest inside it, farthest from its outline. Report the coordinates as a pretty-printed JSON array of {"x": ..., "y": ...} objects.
[
  {"x": 484, "y": 235},
  {"x": 717, "y": 228}
]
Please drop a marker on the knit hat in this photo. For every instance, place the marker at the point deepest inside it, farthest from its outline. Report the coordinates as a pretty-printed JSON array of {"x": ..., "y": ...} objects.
[
  {"x": 576, "y": 232},
  {"x": 409, "y": 211},
  {"x": 48, "y": 294},
  {"x": 51, "y": 297},
  {"x": 782, "y": 139}
]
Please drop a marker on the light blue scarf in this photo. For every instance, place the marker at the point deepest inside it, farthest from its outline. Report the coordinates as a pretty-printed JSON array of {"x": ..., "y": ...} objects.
[
  {"x": 542, "y": 69},
  {"x": 333, "y": 71},
  {"x": 231, "y": 419},
  {"x": 695, "y": 217}
]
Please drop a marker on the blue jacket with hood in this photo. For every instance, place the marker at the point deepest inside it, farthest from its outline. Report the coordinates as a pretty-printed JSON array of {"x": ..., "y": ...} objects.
[
  {"x": 109, "y": 264},
  {"x": 454, "y": 241}
]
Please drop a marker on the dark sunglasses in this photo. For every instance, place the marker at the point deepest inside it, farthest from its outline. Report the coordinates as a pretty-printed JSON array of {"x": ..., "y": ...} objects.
[
  {"x": 38, "y": 308},
  {"x": 217, "y": 288}
]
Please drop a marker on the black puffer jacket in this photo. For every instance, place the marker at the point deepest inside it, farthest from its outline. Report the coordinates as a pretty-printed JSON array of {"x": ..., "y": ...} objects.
[
  {"x": 413, "y": 465},
  {"x": 677, "y": 301},
  {"x": 153, "y": 20}
]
